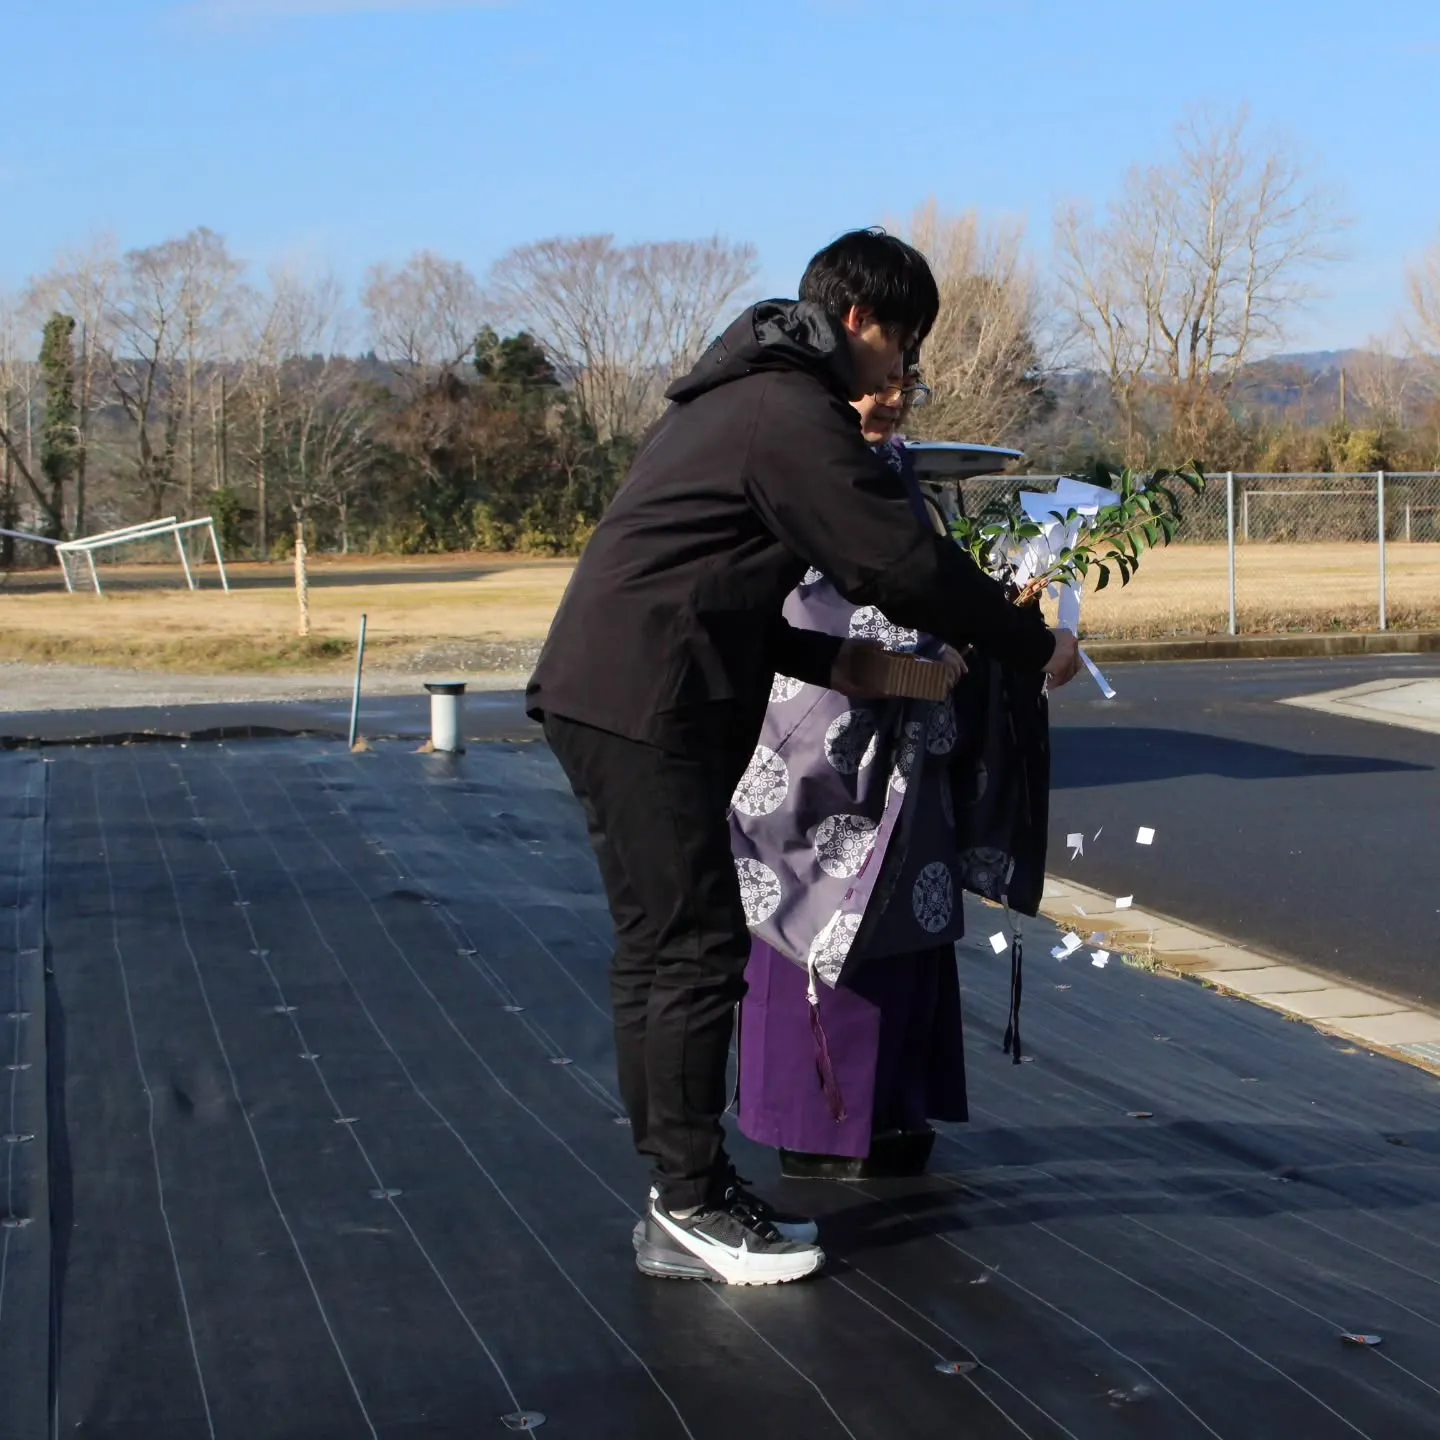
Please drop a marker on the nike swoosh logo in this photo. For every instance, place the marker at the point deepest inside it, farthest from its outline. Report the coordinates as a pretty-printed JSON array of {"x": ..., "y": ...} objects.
[{"x": 736, "y": 1252}]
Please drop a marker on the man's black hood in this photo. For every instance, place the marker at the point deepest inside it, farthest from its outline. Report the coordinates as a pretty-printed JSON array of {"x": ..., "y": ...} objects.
[{"x": 774, "y": 335}]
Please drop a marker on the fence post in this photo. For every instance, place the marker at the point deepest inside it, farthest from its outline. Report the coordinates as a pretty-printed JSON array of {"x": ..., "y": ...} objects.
[
  {"x": 1380, "y": 518},
  {"x": 1230, "y": 542}
]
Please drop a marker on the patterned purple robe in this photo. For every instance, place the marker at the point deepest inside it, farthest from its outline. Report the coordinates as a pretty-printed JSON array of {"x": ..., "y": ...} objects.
[{"x": 844, "y": 842}]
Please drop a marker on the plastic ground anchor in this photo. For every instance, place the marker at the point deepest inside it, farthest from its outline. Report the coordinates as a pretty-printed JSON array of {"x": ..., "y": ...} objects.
[{"x": 956, "y": 1367}]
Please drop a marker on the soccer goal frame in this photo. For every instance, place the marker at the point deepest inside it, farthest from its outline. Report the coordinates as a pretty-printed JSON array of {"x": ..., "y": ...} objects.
[{"x": 69, "y": 550}]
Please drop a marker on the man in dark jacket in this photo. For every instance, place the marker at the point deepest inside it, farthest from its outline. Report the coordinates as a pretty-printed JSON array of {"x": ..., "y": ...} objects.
[{"x": 655, "y": 677}]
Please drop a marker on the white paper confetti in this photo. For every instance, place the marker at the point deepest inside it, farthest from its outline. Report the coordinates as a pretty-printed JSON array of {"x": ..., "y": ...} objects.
[
  {"x": 1100, "y": 959},
  {"x": 1079, "y": 910},
  {"x": 1146, "y": 836},
  {"x": 1059, "y": 952},
  {"x": 1071, "y": 943},
  {"x": 1124, "y": 902},
  {"x": 1076, "y": 843},
  {"x": 1098, "y": 833},
  {"x": 998, "y": 943}
]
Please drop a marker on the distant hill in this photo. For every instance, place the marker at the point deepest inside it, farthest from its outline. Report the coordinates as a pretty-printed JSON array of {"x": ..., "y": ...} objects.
[{"x": 1313, "y": 361}]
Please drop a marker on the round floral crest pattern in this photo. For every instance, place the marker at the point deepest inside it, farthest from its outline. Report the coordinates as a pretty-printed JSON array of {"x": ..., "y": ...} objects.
[
  {"x": 870, "y": 623},
  {"x": 764, "y": 785},
  {"x": 784, "y": 688},
  {"x": 851, "y": 742},
  {"x": 759, "y": 890},
  {"x": 986, "y": 871},
  {"x": 843, "y": 844},
  {"x": 832, "y": 945},
  {"x": 941, "y": 734},
  {"x": 933, "y": 898}
]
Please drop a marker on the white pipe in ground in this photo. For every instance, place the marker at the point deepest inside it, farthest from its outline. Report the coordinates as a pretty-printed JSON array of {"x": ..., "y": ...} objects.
[{"x": 446, "y": 707}]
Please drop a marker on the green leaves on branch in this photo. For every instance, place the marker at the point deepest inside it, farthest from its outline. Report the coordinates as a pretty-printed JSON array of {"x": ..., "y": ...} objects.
[{"x": 1147, "y": 516}]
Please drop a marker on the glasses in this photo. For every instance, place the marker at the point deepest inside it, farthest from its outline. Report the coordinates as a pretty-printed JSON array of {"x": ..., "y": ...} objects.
[{"x": 912, "y": 395}]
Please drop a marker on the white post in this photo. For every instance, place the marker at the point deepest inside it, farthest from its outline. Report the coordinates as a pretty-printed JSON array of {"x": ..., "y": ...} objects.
[
  {"x": 1245, "y": 515},
  {"x": 302, "y": 578},
  {"x": 219, "y": 562},
  {"x": 1407, "y": 522},
  {"x": 94, "y": 573},
  {"x": 1380, "y": 519},
  {"x": 446, "y": 732},
  {"x": 359, "y": 669},
  {"x": 1230, "y": 542},
  {"x": 184, "y": 559}
]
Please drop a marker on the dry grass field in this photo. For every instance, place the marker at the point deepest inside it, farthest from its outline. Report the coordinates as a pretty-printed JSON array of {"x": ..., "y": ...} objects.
[
  {"x": 147, "y": 622},
  {"x": 1184, "y": 590}
]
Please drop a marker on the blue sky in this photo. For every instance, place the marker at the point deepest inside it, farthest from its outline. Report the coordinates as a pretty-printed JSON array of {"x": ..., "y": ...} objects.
[{"x": 356, "y": 130}]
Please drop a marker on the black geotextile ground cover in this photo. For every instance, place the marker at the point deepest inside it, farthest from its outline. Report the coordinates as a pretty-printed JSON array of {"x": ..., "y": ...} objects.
[{"x": 326, "y": 1145}]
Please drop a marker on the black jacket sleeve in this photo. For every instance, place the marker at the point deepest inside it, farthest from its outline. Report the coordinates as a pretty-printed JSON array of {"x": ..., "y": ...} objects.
[
  {"x": 805, "y": 655},
  {"x": 817, "y": 486}
]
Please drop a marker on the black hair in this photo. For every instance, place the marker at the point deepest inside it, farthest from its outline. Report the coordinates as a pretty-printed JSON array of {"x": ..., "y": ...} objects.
[{"x": 880, "y": 272}]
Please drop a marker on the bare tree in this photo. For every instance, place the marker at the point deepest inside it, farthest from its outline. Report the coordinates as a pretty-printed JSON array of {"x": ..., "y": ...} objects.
[
  {"x": 210, "y": 299},
  {"x": 82, "y": 283},
  {"x": 1423, "y": 284},
  {"x": 1198, "y": 264},
  {"x": 17, "y": 382},
  {"x": 1385, "y": 380},
  {"x": 174, "y": 310},
  {"x": 1109, "y": 279},
  {"x": 1422, "y": 331},
  {"x": 982, "y": 359},
  {"x": 619, "y": 323},
  {"x": 425, "y": 316},
  {"x": 307, "y": 431}
]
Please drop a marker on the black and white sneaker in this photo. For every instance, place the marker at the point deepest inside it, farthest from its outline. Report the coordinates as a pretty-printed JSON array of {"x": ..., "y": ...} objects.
[
  {"x": 799, "y": 1228},
  {"x": 721, "y": 1242}
]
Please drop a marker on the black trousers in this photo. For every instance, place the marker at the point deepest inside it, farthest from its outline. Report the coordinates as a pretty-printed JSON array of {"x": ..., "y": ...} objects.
[{"x": 659, "y": 826}]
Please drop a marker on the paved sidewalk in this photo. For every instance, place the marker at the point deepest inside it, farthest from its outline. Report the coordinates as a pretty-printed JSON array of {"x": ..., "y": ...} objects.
[
  {"x": 1375, "y": 1021},
  {"x": 1415, "y": 704}
]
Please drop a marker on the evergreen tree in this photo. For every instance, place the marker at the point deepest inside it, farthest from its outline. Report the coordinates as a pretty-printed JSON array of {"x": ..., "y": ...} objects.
[{"x": 60, "y": 431}]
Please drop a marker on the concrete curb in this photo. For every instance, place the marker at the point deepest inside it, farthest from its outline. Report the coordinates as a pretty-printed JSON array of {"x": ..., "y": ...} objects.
[
  {"x": 1379, "y": 1023},
  {"x": 1266, "y": 647}
]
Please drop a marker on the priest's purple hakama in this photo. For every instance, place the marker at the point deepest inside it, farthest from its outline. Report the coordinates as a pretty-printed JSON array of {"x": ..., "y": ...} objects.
[
  {"x": 895, "y": 1042},
  {"x": 845, "y": 843}
]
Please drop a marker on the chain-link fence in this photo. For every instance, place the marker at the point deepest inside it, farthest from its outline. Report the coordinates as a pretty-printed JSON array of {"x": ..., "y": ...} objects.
[{"x": 1275, "y": 553}]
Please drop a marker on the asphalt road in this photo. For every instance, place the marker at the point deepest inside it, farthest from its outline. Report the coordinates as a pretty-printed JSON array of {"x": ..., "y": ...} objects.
[{"x": 1312, "y": 836}]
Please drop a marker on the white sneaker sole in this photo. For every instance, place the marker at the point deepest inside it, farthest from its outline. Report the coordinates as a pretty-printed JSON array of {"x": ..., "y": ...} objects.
[{"x": 683, "y": 1265}]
